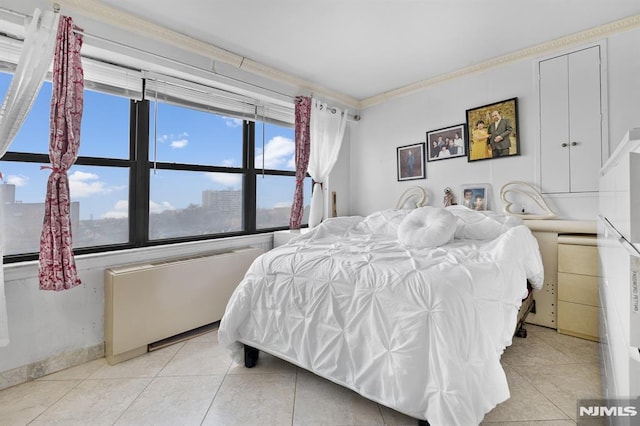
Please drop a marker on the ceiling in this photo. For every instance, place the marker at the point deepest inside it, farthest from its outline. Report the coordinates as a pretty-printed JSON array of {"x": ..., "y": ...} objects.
[
  {"x": 362, "y": 48},
  {"x": 365, "y": 48}
]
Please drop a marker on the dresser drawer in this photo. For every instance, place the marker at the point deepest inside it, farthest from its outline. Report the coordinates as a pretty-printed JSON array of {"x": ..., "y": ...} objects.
[
  {"x": 576, "y": 288},
  {"x": 578, "y": 259},
  {"x": 578, "y": 320}
]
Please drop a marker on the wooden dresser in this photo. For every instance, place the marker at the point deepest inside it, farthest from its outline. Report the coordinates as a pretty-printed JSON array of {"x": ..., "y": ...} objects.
[{"x": 568, "y": 300}]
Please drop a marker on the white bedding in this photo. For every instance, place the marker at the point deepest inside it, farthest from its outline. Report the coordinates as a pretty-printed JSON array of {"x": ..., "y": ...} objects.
[{"x": 420, "y": 330}]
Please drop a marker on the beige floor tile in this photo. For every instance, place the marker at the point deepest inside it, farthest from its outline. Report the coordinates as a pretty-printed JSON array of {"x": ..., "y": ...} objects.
[
  {"x": 394, "y": 418},
  {"x": 172, "y": 401},
  {"x": 321, "y": 402},
  {"x": 533, "y": 423},
  {"x": 21, "y": 404},
  {"x": 525, "y": 403},
  {"x": 147, "y": 365},
  {"x": 565, "y": 384},
  {"x": 532, "y": 351},
  {"x": 195, "y": 359},
  {"x": 79, "y": 372},
  {"x": 580, "y": 350},
  {"x": 93, "y": 402},
  {"x": 267, "y": 364},
  {"x": 247, "y": 399}
]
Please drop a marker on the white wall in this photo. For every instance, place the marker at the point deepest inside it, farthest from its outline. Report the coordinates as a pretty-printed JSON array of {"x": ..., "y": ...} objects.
[{"x": 406, "y": 120}]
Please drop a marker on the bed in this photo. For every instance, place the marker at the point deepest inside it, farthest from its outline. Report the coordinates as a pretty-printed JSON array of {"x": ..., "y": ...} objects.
[{"x": 409, "y": 308}]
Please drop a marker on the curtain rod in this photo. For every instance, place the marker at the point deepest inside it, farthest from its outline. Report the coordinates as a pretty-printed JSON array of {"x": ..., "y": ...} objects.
[{"x": 56, "y": 9}]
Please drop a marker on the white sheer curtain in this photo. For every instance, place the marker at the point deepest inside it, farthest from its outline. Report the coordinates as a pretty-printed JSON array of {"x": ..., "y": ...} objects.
[
  {"x": 34, "y": 62},
  {"x": 326, "y": 131}
]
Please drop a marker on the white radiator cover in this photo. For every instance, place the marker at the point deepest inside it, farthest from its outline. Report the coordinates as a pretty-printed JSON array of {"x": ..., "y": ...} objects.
[{"x": 148, "y": 302}]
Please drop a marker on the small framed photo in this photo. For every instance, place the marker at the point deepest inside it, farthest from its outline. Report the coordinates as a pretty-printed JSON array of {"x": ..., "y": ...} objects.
[
  {"x": 475, "y": 196},
  {"x": 493, "y": 130},
  {"x": 449, "y": 142},
  {"x": 411, "y": 162}
]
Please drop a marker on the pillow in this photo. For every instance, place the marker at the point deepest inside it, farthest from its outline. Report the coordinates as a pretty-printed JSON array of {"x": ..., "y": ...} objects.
[
  {"x": 384, "y": 222},
  {"x": 427, "y": 227},
  {"x": 481, "y": 225}
]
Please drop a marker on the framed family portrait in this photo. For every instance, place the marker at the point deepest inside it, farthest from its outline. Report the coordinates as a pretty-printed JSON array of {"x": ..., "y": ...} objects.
[
  {"x": 411, "y": 162},
  {"x": 493, "y": 130},
  {"x": 475, "y": 196},
  {"x": 448, "y": 142}
]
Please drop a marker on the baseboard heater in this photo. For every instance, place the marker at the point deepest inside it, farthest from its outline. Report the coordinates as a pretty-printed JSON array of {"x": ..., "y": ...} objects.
[{"x": 150, "y": 302}]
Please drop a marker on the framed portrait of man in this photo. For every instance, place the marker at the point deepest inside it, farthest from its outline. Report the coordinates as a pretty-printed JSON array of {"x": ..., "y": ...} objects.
[
  {"x": 493, "y": 131},
  {"x": 411, "y": 162}
]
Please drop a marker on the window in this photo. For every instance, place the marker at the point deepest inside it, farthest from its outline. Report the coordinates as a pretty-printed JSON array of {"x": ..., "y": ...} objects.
[
  {"x": 168, "y": 169},
  {"x": 98, "y": 187},
  {"x": 275, "y": 151}
]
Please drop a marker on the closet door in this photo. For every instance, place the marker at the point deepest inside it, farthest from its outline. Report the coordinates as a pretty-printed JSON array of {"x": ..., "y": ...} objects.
[
  {"x": 554, "y": 129},
  {"x": 585, "y": 120},
  {"x": 570, "y": 122}
]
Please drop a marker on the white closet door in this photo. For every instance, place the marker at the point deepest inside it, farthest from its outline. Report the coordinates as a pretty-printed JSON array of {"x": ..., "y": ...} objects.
[
  {"x": 585, "y": 119},
  {"x": 554, "y": 129},
  {"x": 570, "y": 122}
]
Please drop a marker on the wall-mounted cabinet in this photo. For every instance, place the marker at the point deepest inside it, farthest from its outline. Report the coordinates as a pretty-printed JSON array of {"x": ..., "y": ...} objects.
[{"x": 571, "y": 121}]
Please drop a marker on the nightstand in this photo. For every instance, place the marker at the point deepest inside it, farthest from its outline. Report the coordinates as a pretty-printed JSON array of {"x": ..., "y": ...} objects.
[{"x": 578, "y": 273}]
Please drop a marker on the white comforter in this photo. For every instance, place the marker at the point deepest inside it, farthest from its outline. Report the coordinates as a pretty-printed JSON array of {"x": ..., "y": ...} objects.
[{"x": 415, "y": 329}]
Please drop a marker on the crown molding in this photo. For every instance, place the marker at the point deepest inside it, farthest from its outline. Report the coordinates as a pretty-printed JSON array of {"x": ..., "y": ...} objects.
[
  {"x": 542, "y": 49},
  {"x": 117, "y": 18}
]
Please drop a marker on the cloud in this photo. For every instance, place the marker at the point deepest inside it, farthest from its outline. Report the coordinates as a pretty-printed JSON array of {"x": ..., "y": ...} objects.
[
  {"x": 228, "y": 180},
  {"x": 159, "y": 207},
  {"x": 180, "y": 143},
  {"x": 278, "y": 154},
  {"x": 119, "y": 211},
  {"x": 17, "y": 180},
  {"x": 175, "y": 141},
  {"x": 82, "y": 184},
  {"x": 232, "y": 122},
  {"x": 282, "y": 205}
]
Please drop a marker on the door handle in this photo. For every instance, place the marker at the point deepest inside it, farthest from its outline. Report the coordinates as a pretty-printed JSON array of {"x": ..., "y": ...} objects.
[
  {"x": 574, "y": 143},
  {"x": 564, "y": 144}
]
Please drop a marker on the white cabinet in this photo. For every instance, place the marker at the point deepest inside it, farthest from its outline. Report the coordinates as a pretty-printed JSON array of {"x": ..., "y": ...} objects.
[{"x": 571, "y": 121}]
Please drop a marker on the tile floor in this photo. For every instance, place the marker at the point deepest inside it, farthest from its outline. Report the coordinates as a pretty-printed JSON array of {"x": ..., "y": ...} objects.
[{"x": 195, "y": 383}]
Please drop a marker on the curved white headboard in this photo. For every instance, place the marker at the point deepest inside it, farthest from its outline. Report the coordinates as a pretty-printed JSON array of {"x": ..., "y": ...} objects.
[{"x": 415, "y": 195}]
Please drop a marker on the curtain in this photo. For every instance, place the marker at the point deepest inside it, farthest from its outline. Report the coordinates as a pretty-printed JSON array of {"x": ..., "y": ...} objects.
[
  {"x": 34, "y": 61},
  {"x": 57, "y": 265},
  {"x": 302, "y": 115},
  {"x": 326, "y": 130}
]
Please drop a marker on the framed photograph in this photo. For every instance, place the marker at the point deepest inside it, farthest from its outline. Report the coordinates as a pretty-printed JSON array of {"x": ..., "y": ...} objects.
[
  {"x": 411, "y": 162},
  {"x": 449, "y": 142},
  {"x": 475, "y": 196},
  {"x": 493, "y": 130}
]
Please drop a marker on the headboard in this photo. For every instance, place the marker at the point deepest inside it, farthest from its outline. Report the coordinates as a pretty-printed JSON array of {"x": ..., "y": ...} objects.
[{"x": 411, "y": 198}]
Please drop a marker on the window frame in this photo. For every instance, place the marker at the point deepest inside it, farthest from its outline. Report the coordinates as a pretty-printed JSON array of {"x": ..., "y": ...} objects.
[{"x": 140, "y": 167}]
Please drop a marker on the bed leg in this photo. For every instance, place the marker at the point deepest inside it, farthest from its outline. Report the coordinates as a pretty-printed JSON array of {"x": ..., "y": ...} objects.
[
  {"x": 423, "y": 423},
  {"x": 522, "y": 332},
  {"x": 250, "y": 356}
]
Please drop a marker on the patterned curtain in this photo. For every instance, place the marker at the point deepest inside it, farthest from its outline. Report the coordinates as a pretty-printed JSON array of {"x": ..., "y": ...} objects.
[
  {"x": 57, "y": 265},
  {"x": 303, "y": 113}
]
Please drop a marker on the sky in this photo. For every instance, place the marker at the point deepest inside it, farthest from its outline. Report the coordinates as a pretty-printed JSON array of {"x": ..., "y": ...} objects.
[{"x": 182, "y": 135}]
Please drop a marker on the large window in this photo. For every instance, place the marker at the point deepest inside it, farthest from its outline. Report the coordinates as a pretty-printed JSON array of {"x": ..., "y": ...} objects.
[{"x": 150, "y": 172}]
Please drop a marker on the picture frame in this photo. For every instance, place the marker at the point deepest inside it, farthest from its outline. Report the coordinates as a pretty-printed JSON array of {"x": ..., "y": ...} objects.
[
  {"x": 442, "y": 142},
  {"x": 475, "y": 196},
  {"x": 482, "y": 144},
  {"x": 411, "y": 163}
]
